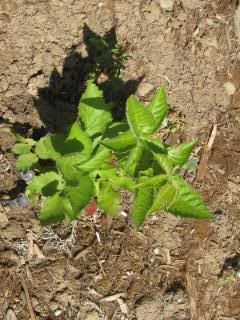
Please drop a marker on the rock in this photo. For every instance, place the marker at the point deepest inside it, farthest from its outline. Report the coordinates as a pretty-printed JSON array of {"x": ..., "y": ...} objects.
[
  {"x": 144, "y": 89},
  {"x": 93, "y": 315},
  {"x": 229, "y": 88},
  {"x": 192, "y": 4},
  {"x": 166, "y": 5},
  {"x": 3, "y": 219},
  {"x": 10, "y": 315},
  {"x": 57, "y": 312}
]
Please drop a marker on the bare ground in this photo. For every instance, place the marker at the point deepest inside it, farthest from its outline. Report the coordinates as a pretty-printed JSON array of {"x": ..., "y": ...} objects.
[{"x": 175, "y": 268}]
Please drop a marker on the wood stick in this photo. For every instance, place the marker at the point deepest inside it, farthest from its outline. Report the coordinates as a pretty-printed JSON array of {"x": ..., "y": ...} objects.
[
  {"x": 28, "y": 299},
  {"x": 206, "y": 154}
]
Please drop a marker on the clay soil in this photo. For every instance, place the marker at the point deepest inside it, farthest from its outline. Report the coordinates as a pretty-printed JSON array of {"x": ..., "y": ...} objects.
[{"x": 174, "y": 269}]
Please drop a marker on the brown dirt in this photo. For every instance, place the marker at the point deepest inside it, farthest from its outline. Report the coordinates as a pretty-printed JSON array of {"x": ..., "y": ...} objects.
[{"x": 175, "y": 268}]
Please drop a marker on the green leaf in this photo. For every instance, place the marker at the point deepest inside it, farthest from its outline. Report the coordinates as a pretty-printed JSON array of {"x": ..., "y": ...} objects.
[
  {"x": 28, "y": 141},
  {"x": 26, "y": 161},
  {"x": 139, "y": 118},
  {"x": 179, "y": 154},
  {"x": 45, "y": 150},
  {"x": 153, "y": 144},
  {"x": 21, "y": 148},
  {"x": 164, "y": 162},
  {"x": 67, "y": 165},
  {"x": 122, "y": 143},
  {"x": 80, "y": 194},
  {"x": 68, "y": 210},
  {"x": 134, "y": 160},
  {"x": 153, "y": 182},
  {"x": 53, "y": 147},
  {"x": 159, "y": 106},
  {"x": 108, "y": 199},
  {"x": 94, "y": 112},
  {"x": 46, "y": 183},
  {"x": 115, "y": 129},
  {"x": 142, "y": 203},
  {"x": 189, "y": 203},
  {"x": 96, "y": 161},
  {"x": 76, "y": 133},
  {"x": 52, "y": 211},
  {"x": 124, "y": 182},
  {"x": 166, "y": 195}
]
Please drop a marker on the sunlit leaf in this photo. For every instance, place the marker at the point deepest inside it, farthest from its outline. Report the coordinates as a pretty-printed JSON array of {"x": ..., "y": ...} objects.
[
  {"x": 26, "y": 161},
  {"x": 159, "y": 106},
  {"x": 179, "y": 154},
  {"x": 93, "y": 111},
  {"x": 139, "y": 118},
  {"x": 109, "y": 199},
  {"x": 189, "y": 203}
]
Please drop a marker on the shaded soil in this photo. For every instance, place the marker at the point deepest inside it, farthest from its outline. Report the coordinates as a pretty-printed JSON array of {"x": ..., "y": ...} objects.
[{"x": 174, "y": 268}]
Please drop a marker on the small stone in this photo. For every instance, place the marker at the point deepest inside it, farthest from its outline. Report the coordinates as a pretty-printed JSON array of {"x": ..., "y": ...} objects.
[
  {"x": 10, "y": 315},
  {"x": 156, "y": 251},
  {"x": 3, "y": 219},
  {"x": 93, "y": 315},
  {"x": 229, "y": 88},
  {"x": 192, "y": 4},
  {"x": 166, "y": 5},
  {"x": 144, "y": 89},
  {"x": 57, "y": 312}
]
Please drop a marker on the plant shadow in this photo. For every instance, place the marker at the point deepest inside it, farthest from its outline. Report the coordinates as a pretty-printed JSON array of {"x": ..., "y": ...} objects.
[{"x": 104, "y": 60}]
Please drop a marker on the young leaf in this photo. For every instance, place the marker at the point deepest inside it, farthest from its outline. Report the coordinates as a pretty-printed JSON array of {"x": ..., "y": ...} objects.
[
  {"x": 53, "y": 147},
  {"x": 159, "y": 106},
  {"x": 153, "y": 144},
  {"x": 45, "y": 150},
  {"x": 134, "y": 160},
  {"x": 26, "y": 161},
  {"x": 76, "y": 133},
  {"x": 166, "y": 195},
  {"x": 28, "y": 141},
  {"x": 179, "y": 154},
  {"x": 81, "y": 194},
  {"x": 68, "y": 210},
  {"x": 153, "y": 182},
  {"x": 96, "y": 161},
  {"x": 164, "y": 162},
  {"x": 47, "y": 183},
  {"x": 115, "y": 129},
  {"x": 189, "y": 203},
  {"x": 93, "y": 111},
  {"x": 52, "y": 211},
  {"x": 122, "y": 143},
  {"x": 139, "y": 118},
  {"x": 142, "y": 203},
  {"x": 108, "y": 199},
  {"x": 67, "y": 165},
  {"x": 21, "y": 148}
]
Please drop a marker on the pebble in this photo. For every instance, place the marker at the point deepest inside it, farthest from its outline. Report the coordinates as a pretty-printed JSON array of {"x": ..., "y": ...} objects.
[
  {"x": 229, "y": 88},
  {"x": 166, "y": 5},
  {"x": 93, "y": 315},
  {"x": 10, "y": 315},
  {"x": 57, "y": 312},
  {"x": 3, "y": 220}
]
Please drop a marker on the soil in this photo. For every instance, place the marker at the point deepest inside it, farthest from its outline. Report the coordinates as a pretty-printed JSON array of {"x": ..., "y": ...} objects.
[{"x": 174, "y": 268}]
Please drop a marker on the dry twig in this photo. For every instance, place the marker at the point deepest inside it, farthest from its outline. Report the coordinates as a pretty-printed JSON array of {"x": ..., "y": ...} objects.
[
  {"x": 206, "y": 154},
  {"x": 28, "y": 299}
]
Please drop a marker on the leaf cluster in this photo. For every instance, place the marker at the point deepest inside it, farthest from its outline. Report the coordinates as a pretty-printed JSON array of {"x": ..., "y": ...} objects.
[{"x": 98, "y": 157}]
